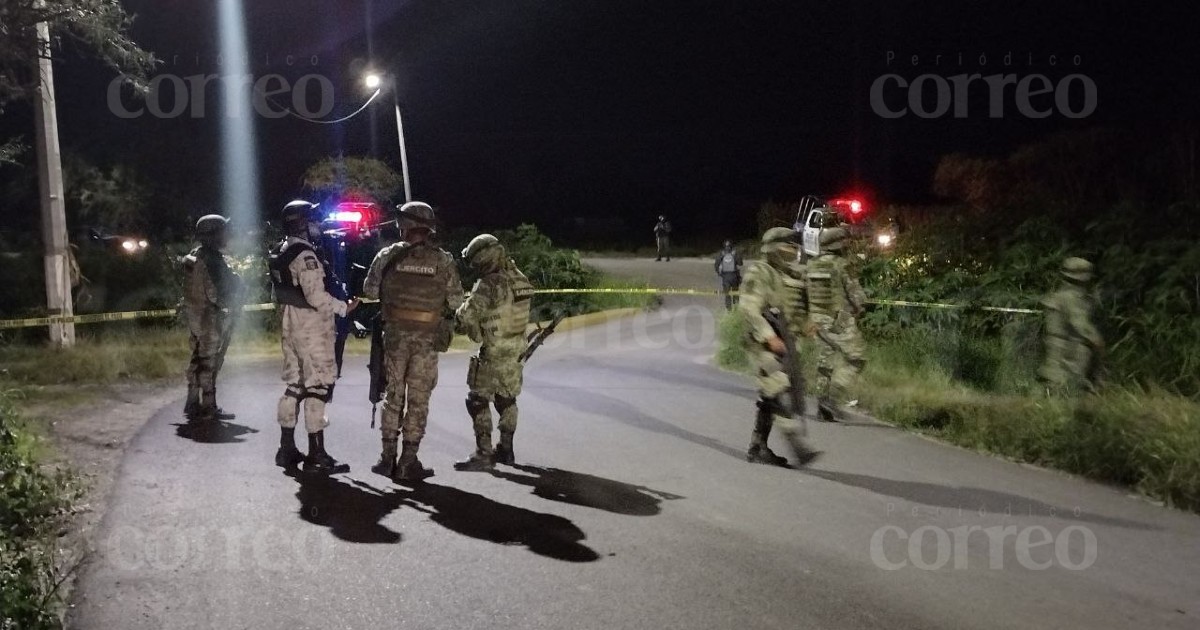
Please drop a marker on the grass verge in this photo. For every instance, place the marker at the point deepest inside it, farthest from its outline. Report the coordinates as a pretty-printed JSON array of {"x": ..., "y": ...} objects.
[{"x": 35, "y": 506}]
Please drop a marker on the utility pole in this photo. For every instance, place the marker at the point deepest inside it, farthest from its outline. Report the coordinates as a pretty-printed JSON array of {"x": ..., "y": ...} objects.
[
  {"x": 403, "y": 150},
  {"x": 50, "y": 185}
]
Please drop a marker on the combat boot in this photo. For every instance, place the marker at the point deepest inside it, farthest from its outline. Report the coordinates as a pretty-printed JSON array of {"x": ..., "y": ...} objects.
[
  {"x": 481, "y": 459},
  {"x": 409, "y": 468},
  {"x": 504, "y": 450},
  {"x": 804, "y": 453},
  {"x": 288, "y": 456},
  {"x": 760, "y": 454},
  {"x": 318, "y": 461},
  {"x": 386, "y": 465}
]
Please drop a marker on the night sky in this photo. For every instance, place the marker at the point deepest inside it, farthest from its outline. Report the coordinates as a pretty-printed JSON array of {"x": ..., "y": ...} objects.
[{"x": 618, "y": 110}]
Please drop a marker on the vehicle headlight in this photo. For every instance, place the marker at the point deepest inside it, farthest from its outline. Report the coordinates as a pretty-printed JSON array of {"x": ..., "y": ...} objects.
[
  {"x": 128, "y": 246},
  {"x": 884, "y": 239}
]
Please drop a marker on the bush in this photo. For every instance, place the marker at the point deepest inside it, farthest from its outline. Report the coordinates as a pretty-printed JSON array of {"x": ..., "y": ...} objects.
[{"x": 34, "y": 509}]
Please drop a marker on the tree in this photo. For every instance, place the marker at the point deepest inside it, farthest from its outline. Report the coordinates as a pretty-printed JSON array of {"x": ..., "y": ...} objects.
[
  {"x": 98, "y": 27},
  {"x": 340, "y": 175}
]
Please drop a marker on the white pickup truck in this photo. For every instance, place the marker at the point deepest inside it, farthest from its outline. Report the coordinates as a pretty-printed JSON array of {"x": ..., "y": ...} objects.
[{"x": 817, "y": 213}]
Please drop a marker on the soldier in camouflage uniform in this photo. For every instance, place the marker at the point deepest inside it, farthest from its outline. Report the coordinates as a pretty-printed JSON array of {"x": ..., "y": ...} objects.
[
  {"x": 495, "y": 315},
  {"x": 306, "y": 322},
  {"x": 210, "y": 291},
  {"x": 419, "y": 289},
  {"x": 835, "y": 300},
  {"x": 776, "y": 281},
  {"x": 1073, "y": 343}
]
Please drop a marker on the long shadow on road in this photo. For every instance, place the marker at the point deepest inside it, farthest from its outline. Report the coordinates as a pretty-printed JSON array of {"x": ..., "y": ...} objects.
[
  {"x": 353, "y": 511},
  {"x": 626, "y": 413},
  {"x": 591, "y": 491},
  {"x": 971, "y": 499}
]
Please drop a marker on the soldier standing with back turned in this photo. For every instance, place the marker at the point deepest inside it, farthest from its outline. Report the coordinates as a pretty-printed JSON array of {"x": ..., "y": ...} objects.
[
  {"x": 835, "y": 300},
  {"x": 419, "y": 290},
  {"x": 775, "y": 282},
  {"x": 495, "y": 314}
]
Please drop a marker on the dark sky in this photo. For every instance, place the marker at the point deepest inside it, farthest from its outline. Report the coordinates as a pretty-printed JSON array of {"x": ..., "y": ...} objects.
[{"x": 545, "y": 110}]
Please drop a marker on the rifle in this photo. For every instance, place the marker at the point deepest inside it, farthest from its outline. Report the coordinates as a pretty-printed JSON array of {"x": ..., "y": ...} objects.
[
  {"x": 378, "y": 387},
  {"x": 230, "y": 321},
  {"x": 537, "y": 337},
  {"x": 791, "y": 365}
]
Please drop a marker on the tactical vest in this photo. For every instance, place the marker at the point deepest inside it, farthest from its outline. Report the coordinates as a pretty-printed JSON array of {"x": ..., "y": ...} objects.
[
  {"x": 285, "y": 286},
  {"x": 413, "y": 289},
  {"x": 825, "y": 295},
  {"x": 788, "y": 293},
  {"x": 514, "y": 314},
  {"x": 728, "y": 262}
]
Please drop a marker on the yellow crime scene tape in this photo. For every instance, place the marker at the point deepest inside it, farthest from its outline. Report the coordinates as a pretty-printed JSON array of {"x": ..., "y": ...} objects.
[{"x": 93, "y": 318}]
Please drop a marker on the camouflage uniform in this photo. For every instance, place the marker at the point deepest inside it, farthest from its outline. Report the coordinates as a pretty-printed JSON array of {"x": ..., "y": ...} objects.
[
  {"x": 495, "y": 315},
  {"x": 776, "y": 281},
  {"x": 419, "y": 290},
  {"x": 210, "y": 289},
  {"x": 835, "y": 300},
  {"x": 308, "y": 335},
  {"x": 1071, "y": 338}
]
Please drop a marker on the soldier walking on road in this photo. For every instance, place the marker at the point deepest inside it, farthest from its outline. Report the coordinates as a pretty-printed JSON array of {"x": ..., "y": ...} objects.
[
  {"x": 1073, "y": 343},
  {"x": 835, "y": 300},
  {"x": 419, "y": 289},
  {"x": 662, "y": 238},
  {"x": 495, "y": 315},
  {"x": 306, "y": 322},
  {"x": 775, "y": 282},
  {"x": 729, "y": 268},
  {"x": 211, "y": 291}
]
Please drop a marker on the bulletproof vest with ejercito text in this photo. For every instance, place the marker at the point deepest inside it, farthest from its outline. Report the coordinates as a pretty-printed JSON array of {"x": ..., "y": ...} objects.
[
  {"x": 413, "y": 289},
  {"x": 286, "y": 287}
]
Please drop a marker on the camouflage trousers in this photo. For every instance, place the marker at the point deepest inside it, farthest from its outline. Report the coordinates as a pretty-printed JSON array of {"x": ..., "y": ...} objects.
[
  {"x": 411, "y": 363},
  {"x": 309, "y": 368},
  {"x": 494, "y": 378},
  {"x": 203, "y": 368},
  {"x": 774, "y": 385},
  {"x": 1068, "y": 365},
  {"x": 840, "y": 356}
]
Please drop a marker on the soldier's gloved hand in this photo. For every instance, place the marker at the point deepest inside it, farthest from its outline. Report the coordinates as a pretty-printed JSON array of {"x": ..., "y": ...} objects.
[{"x": 776, "y": 345}]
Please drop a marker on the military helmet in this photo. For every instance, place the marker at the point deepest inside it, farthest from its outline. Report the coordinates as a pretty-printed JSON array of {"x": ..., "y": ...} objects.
[
  {"x": 209, "y": 226},
  {"x": 298, "y": 213},
  {"x": 777, "y": 238},
  {"x": 415, "y": 214},
  {"x": 478, "y": 244},
  {"x": 834, "y": 239},
  {"x": 1077, "y": 269}
]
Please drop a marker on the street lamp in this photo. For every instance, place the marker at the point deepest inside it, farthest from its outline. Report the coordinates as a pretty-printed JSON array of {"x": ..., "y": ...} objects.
[{"x": 375, "y": 82}]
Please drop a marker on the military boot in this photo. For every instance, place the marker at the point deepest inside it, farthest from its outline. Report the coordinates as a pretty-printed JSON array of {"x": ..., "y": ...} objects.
[
  {"x": 481, "y": 459},
  {"x": 219, "y": 413},
  {"x": 504, "y": 450},
  {"x": 288, "y": 456},
  {"x": 386, "y": 465},
  {"x": 804, "y": 453},
  {"x": 759, "y": 452},
  {"x": 409, "y": 468},
  {"x": 318, "y": 461}
]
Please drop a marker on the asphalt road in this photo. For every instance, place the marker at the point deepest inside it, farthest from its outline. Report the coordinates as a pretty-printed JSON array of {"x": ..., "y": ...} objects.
[{"x": 631, "y": 508}]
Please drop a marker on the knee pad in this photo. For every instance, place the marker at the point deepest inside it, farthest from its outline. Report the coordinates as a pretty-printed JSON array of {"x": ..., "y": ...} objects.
[
  {"x": 320, "y": 392},
  {"x": 476, "y": 404},
  {"x": 294, "y": 390},
  {"x": 504, "y": 403}
]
